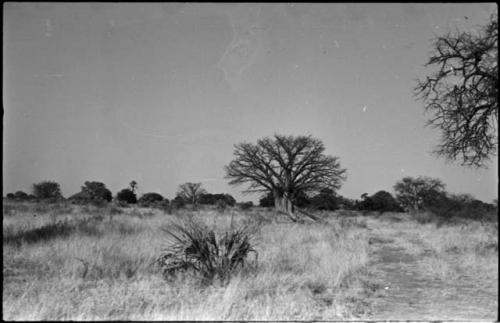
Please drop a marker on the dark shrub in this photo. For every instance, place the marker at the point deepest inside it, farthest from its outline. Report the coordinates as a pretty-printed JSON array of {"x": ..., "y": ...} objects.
[
  {"x": 127, "y": 195},
  {"x": 178, "y": 203},
  {"x": 49, "y": 191},
  {"x": 21, "y": 196},
  {"x": 267, "y": 200},
  {"x": 246, "y": 205},
  {"x": 325, "y": 200},
  {"x": 94, "y": 193},
  {"x": 10, "y": 196},
  {"x": 212, "y": 199},
  {"x": 150, "y": 199}
]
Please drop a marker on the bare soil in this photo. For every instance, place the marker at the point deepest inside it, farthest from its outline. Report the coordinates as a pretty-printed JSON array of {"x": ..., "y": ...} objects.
[{"x": 408, "y": 293}]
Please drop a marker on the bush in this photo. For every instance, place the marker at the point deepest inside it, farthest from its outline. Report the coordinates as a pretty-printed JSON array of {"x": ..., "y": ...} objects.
[
  {"x": 195, "y": 247},
  {"x": 127, "y": 195},
  {"x": 213, "y": 199},
  {"x": 49, "y": 191},
  {"x": 94, "y": 193},
  {"x": 150, "y": 199},
  {"x": 267, "y": 200},
  {"x": 246, "y": 205}
]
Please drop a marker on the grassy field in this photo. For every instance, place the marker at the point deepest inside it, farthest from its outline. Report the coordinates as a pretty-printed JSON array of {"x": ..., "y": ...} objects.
[{"x": 85, "y": 263}]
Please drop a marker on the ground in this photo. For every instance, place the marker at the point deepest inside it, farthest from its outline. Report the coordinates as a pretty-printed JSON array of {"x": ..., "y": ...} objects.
[{"x": 86, "y": 263}]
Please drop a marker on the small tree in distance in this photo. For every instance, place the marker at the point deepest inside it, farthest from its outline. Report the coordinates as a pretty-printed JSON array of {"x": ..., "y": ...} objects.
[
  {"x": 47, "y": 190},
  {"x": 285, "y": 166},
  {"x": 415, "y": 194},
  {"x": 126, "y": 195},
  {"x": 191, "y": 192}
]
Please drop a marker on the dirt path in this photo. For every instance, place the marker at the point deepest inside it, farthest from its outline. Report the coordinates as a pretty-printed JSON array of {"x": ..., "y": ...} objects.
[{"x": 409, "y": 294}]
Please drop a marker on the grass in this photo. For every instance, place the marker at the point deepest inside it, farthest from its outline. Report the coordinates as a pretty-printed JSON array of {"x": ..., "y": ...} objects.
[{"x": 98, "y": 264}]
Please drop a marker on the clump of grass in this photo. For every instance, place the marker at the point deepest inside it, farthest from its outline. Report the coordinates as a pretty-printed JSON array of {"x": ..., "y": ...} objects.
[{"x": 193, "y": 246}]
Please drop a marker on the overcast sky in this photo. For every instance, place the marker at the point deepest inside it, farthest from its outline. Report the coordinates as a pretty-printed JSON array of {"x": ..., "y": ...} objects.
[{"x": 160, "y": 93}]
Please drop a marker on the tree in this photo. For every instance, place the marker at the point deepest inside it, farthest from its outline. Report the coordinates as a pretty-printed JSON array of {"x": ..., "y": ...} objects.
[
  {"x": 92, "y": 192},
  {"x": 285, "y": 166},
  {"x": 127, "y": 195},
  {"x": 149, "y": 199},
  {"x": 47, "y": 190},
  {"x": 325, "y": 200},
  {"x": 416, "y": 193},
  {"x": 133, "y": 186},
  {"x": 191, "y": 192},
  {"x": 383, "y": 201},
  {"x": 462, "y": 95}
]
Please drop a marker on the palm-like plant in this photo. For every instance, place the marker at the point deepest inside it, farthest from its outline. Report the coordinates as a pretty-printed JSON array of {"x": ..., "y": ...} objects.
[{"x": 193, "y": 246}]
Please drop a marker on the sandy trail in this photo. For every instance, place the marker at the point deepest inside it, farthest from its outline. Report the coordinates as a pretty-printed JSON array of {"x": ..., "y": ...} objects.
[{"x": 409, "y": 294}]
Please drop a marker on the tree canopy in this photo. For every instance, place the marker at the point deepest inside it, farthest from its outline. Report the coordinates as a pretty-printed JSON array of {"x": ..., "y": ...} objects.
[
  {"x": 462, "y": 95},
  {"x": 285, "y": 166}
]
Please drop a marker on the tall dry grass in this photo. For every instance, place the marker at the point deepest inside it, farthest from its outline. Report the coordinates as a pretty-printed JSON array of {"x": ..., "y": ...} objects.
[{"x": 94, "y": 265}]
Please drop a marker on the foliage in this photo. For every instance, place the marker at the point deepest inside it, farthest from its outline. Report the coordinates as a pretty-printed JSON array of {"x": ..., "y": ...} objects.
[
  {"x": 267, "y": 200},
  {"x": 48, "y": 191},
  {"x": 245, "y": 205},
  {"x": 416, "y": 193},
  {"x": 212, "y": 199},
  {"x": 150, "y": 199},
  {"x": 462, "y": 95},
  {"x": 177, "y": 203},
  {"x": 325, "y": 200},
  {"x": 126, "y": 195},
  {"x": 190, "y": 192},
  {"x": 20, "y": 196},
  {"x": 448, "y": 206},
  {"x": 193, "y": 246},
  {"x": 381, "y": 201},
  {"x": 92, "y": 193},
  {"x": 285, "y": 166}
]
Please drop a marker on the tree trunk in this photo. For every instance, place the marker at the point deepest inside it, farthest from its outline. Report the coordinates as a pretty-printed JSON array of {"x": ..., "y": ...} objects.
[{"x": 282, "y": 204}]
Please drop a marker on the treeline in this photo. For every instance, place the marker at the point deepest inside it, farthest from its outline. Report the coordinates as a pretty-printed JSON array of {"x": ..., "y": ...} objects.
[
  {"x": 414, "y": 195},
  {"x": 96, "y": 193}
]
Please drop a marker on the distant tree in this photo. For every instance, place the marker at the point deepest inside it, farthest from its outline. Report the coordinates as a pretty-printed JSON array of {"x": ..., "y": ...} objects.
[
  {"x": 416, "y": 193},
  {"x": 150, "y": 199},
  {"x": 190, "y": 192},
  {"x": 126, "y": 195},
  {"x": 285, "y": 166},
  {"x": 245, "y": 205},
  {"x": 178, "y": 203},
  {"x": 10, "y": 196},
  {"x": 325, "y": 200},
  {"x": 133, "y": 186},
  {"x": 47, "y": 191},
  {"x": 21, "y": 196},
  {"x": 462, "y": 95},
  {"x": 383, "y": 201},
  {"x": 92, "y": 192},
  {"x": 267, "y": 200},
  {"x": 212, "y": 199}
]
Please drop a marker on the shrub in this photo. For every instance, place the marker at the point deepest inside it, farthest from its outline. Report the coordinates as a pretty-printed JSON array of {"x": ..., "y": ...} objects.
[
  {"x": 21, "y": 196},
  {"x": 94, "y": 193},
  {"x": 127, "y": 195},
  {"x": 221, "y": 205},
  {"x": 150, "y": 199},
  {"x": 267, "y": 200},
  {"x": 10, "y": 196},
  {"x": 47, "y": 190},
  {"x": 246, "y": 205},
  {"x": 193, "y": 246}
]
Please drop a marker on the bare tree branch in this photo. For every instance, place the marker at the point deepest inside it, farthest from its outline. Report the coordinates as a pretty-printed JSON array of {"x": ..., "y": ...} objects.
[{"x": 462, "y": 95}]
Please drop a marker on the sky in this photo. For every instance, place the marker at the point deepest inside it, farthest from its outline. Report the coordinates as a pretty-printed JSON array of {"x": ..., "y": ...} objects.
[{"x": 160, "y": 93}]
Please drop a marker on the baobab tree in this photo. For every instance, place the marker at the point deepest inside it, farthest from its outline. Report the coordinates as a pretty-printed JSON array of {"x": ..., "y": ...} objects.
[
  {"x": 285, "y": 166},
  {"x": 190, "y": 192},
  {"x": 462, "y": 94}
]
